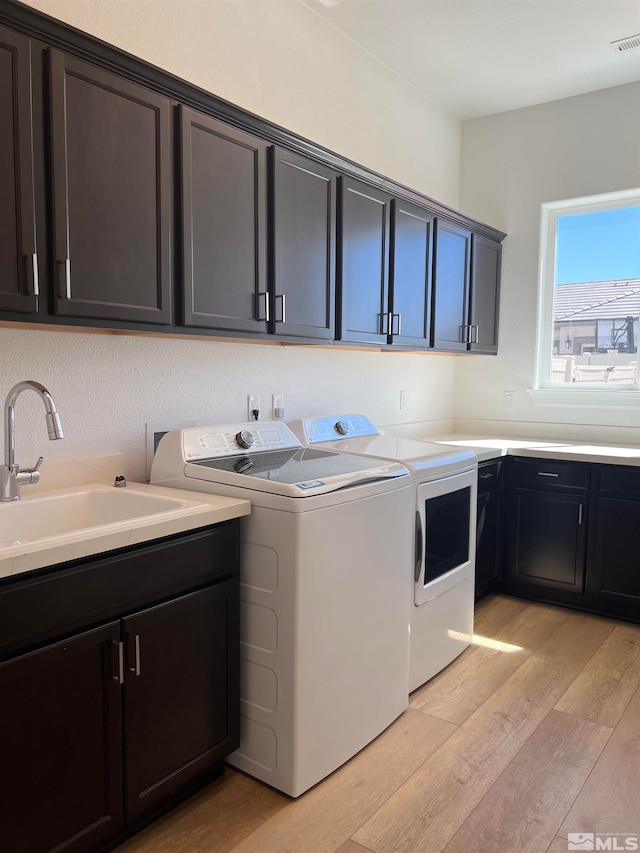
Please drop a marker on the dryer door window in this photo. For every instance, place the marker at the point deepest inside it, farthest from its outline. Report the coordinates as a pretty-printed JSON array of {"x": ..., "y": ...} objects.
[{"x": 447, "y": 519}]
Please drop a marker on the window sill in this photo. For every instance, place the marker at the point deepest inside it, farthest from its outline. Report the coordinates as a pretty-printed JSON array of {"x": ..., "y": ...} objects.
[{"x": 585, "y": 398}]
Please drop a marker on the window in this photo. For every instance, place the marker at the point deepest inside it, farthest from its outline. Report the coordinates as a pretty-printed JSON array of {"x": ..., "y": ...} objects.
[{"x": 590, "y": 293}]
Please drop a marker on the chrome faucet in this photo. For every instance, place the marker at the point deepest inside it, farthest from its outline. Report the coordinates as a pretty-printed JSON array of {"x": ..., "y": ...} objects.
[{"x": 11, "y": 477}]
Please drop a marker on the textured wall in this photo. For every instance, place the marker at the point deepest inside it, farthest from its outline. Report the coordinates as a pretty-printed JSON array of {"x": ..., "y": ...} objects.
[
  {"x": 511, "y": 164},
  {"x": 108, "y": 386},
  {"x": 284, "y": 62}
]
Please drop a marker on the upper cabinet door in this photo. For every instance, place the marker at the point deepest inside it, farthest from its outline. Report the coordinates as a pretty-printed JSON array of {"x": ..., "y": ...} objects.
[
  {"x": 18, "y": 259},
  {"x": 304, "y": 239},
  {"x": 224, "y": 183},
  {"x": 411, "y": 258},
  {"x": 485, "y": 291},
  {"x": 451, "y": 282},
  {"x": 364, "y": 263},
  {"x": 111, "y": 166}
]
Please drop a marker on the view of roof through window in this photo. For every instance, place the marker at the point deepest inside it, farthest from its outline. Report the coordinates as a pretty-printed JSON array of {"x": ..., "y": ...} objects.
[{"x": 596, "y": 305}]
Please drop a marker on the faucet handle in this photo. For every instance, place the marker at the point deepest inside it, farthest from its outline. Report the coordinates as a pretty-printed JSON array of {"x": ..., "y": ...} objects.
[{"x": 34, "y": 469}]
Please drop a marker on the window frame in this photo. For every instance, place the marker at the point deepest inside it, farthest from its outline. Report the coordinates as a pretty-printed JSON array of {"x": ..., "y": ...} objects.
[{"x": 545, "y": 390}]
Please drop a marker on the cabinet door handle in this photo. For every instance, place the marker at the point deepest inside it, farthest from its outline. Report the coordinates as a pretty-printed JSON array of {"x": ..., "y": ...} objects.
[
  {"x": 579, "y": 514},
  {"x": 464, "y": 334},
  {"x": 547, "y": 474},
  {"x": 64, "y": 288},
  {"x": 393, "y": 319},
  {"x": 473, "y": 335},
  {"x": 117, "y": 651},
  {"x": 384, "y": 323},
  {"x": 283, "y": 315},
  {"x": 263, "y": 294},
  {"x": 35, "y": 285},
  {"x": 133, "y": 665}
]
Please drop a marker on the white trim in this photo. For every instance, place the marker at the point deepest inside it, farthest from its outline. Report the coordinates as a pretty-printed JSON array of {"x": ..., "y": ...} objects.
[
  {"x": 585, "y": 398},
  {"x": 595, "y": 393}
]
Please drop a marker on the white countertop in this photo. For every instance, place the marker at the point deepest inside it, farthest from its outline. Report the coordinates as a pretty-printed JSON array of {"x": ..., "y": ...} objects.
[
  {"x": 196, "y": 510},
  {"x": 493, "y": 447}
]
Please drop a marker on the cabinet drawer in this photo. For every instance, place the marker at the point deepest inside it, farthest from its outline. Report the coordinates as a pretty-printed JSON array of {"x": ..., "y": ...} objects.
[
  {"x": 38, "y": 609},
  {"x": 618, "y": 479},
  {"x": 489, "y": 476},
  {"x": 549, "y": 473}
]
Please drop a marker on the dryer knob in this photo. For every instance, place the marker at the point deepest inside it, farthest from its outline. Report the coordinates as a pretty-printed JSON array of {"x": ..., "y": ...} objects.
[
  {"x": 342, "y": 427},
  {"x": 245, "y": 439}
]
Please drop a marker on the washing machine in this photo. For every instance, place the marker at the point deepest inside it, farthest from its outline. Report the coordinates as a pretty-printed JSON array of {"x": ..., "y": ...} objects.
[
  {"x": 443, "y": 523},
  {"x": 324, "y": 635}
]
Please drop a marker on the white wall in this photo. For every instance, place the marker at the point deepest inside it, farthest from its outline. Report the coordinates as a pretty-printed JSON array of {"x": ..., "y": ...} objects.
[
  {"x": 284, "y": 62},
  {"x": 510, "y": 164}
]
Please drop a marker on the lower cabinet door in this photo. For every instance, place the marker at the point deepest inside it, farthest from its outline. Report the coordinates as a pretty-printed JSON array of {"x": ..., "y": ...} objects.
[
  {"x": 61, "y": 745},
  {"x": 488, "y": 543},
  {"x": 617, "y": 556},
  {"x": 548, "y": 538},
  {"x": 181, "y": 712}
]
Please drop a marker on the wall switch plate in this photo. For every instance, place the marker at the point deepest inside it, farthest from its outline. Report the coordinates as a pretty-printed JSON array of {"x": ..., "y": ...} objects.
[
  {"x": 403, "y": 399},
  {"x": 253, "y": 406},
  {"x": 507, "y": 399}
]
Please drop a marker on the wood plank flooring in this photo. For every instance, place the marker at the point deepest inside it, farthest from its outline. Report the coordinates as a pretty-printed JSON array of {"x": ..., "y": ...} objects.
[{"x": 532, "y": 734}]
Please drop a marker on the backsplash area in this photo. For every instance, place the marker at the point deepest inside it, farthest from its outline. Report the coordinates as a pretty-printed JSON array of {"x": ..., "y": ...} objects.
[{"x": 108, "y": 386}]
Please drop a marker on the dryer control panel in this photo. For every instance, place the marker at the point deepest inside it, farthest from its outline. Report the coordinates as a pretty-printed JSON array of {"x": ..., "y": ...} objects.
[
  {"x": 336, "y": 427},
  {"x": 231, "y": 439}
]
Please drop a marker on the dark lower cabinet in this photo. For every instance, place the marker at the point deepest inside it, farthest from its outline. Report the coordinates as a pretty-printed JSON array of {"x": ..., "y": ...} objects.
[
  {"x": 489, "y": 528},
  {"x": 103, "y": 729},
  {"x": 18, "y": 253},
  {"x": 61, "y": 736},
  {"x": 548, "y": 539},
  {"x": 616, "y": 561},
  {"x": 181, "y": 682},
  {"x": 111, "y": 166}
]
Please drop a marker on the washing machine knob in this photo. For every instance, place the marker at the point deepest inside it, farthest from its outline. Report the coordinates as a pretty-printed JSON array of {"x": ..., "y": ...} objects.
[
  {"x": 245, "y": 438},
  {"x": 342, "y": 427}
]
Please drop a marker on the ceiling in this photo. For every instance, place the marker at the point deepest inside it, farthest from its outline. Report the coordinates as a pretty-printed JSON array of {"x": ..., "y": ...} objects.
[{"x": 478, "y": 57}]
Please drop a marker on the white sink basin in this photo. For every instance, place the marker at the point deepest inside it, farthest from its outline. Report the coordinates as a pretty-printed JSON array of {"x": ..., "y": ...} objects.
[{"x": 85, "y": 511}]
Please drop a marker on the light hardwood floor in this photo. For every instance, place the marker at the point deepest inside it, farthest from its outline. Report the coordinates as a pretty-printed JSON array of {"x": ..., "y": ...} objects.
[{"x": 533, "y": 733}]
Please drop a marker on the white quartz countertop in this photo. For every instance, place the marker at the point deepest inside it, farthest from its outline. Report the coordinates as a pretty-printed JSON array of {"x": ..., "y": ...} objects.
[
  {"x": 493, "y": 447},
  {"x": 51, "y": 540}
]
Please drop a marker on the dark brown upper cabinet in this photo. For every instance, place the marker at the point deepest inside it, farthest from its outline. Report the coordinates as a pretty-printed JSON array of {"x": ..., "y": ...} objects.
[
  {"x": 451, "y": 283},
  {"x": 223, "y": 192},
  {"x": 18, "y": 252},
  {"x": 363, "y": 263},
  {"x": 410, "y": 275},
  {"x": 303, "y": 244},
  {"x": 112, "y": 173},
  {"x": 485, "y": 294},
  {"x": 467, "y": 287},
  {"x": 386, "y": 263}
]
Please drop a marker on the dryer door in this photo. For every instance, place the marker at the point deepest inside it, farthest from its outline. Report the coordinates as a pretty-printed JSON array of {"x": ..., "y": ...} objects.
[{"x": 445, "y": 549}]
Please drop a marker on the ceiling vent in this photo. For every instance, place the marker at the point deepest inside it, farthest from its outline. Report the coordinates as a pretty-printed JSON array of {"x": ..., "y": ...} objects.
[{"x": 626, "y": 44}]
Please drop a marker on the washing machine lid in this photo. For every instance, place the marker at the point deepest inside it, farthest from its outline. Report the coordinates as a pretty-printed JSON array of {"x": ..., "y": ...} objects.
[
  {"x": 274, "y": 461},
  {"x": 355, "y": 434}
]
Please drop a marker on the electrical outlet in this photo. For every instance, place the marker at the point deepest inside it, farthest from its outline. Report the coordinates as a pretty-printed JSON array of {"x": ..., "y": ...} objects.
[
  {"x": 278, "y": 406},
  {"x": 507, "y": 399},
  {"x": 254, "y": 405}
]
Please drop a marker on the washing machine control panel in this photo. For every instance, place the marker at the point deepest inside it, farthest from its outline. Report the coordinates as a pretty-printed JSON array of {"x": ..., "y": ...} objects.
[
  {"x": 336, "y": 427},
  {"x": 231, "y": 439}
]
